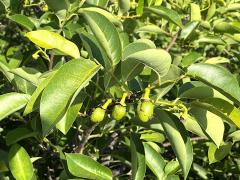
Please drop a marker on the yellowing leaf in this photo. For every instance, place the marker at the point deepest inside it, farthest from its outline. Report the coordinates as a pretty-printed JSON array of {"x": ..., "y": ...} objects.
[{"x": 51, "y": 40}]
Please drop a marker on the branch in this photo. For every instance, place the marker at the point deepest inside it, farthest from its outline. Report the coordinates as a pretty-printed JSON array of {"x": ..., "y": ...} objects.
[
  {"x": 86, "y": 137},
  {"x": 170, "y": 45}
]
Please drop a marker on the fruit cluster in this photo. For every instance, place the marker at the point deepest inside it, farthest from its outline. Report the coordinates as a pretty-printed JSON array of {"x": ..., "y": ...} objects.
[{"x": 145, "y": 109}]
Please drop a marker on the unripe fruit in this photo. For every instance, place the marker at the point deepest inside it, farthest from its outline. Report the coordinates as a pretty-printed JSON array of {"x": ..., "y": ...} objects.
[
  {"x": 98, "y": 115},
  {"x": 145, "y": 110},
  {"x": 119, "y": 112}
]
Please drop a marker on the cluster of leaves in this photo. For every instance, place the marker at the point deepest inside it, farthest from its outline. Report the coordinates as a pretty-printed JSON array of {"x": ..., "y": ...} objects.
[{"x": 61, "y": 59}]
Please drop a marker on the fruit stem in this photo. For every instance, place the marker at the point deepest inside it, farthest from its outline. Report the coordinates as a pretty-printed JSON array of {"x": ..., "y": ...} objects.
[
  {"x": 122, "y": 102},
  {"x": 146, "y": 93},
  {"x": 105, "y": 106}
]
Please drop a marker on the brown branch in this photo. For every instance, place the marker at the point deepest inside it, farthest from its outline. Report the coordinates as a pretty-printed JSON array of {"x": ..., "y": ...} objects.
[
  {"x": 173, "y": 41},
  {"x": 50, "y": 65},
  {"x": 168, "y": 144},
  {"x": 86, "y": 137}
]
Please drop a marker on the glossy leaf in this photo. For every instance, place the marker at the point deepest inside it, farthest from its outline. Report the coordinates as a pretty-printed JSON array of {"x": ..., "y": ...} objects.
[
  {"x": 51, "y": 40},
  {"x": 211, "y": 11},
  {"x": 18, "y": 134},
  {"x": 106, "y": 34},
  {"x": 137, "y": 158},
  {"x": 218, "y": 78},
  {"x": 217, "y": 154},
  {"x": 190, "y": 58},
  {"x": 66, "y": 81},
  {"x": 101, "y": 3},
  {"x": 29, "y": 74},
  {"x": 221, "y": 108},
  {"x": 207, "y": 120},
  {"x": 20, "y": 163},
  {"x": 157, "y": 59},
  {"x": 188, "y": 29},
  {"x": 131, "y": 68},
  {"x": 34, "y": 100},
  {"x": 22, "y": 20},
  {"x": 106, "y": 14},
  {"x": 151, "y": 28},
  {"x": 178, "y": 138},
  {"x": 85, "y": 167},
  {"x": 94, "y": 49},
  {"x": 154, "y": 161},
  {"x": 171, "y": 167},
  {"x": 195, "y": 12},
  {"x": 12, "y": 102},
  {"x": 69, "y": 117},
  {"x": 56, "y": 6},
  {"x": 211, "y": 40},
  {"x": 166, "y": 13},
  {"x": 140, "y": 6},
  {"x": 124, "y": 6},
  {"x": 235, "y": 136}
]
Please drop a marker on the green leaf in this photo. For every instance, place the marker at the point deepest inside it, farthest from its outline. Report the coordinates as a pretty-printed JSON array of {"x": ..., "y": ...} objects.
[
  {"x": 217, "y": 60},
  {"x": 178, "y": 138},
  {"x": 12, "y": 102},
  {"x": 218, "y": 78},
  {"x": 195, "y": 12},
  {"x": 225, "y": 27},
  {"x": 193, "y": 126},
  {"x": 137, "y": 158},
  {"x": 18, "y": 134},
  {"x": 199, "y": 90},
  {"x": 221, "y": 108},
  {"x": 102, "y": 3},
  {"x": 211, "y": 40},
  {"x": 20, "y": 163},
  {"x": 51, "y": 40},
  {"x": 201, "y": 171},
  {"x": 29, "y": 74},
  {"x": 124, "y": 6},
  {"x": 69, "y": 117},
  {"x": 113, "y": 19},
  {"x": 157, "y": 59},
  {"x": 150, "y": 28},
  {"x": 208, "y": 121},
  {"x": 211, "y": 11},
  {"x": 94, "y": 49},
  {"x": 188, "y": 29},
  {"x": 22, "y": 20},
  {"x": 131, "y": 68},
  {"x": 58, "y": 93},
  {"x": 235, "y": 136},
  {"x": 166, "y": 13},
  {"x": 56, "y": 6},
  {"x": 85, "y": 167},
  {"x": 34, "y": 100},
  {"x": 154, "y": 161},
  {"x": 171, "y": 167},
  {"x": 106, "y": 34},
  {"x": 190, "y": 58},
  {"x": 216, "y": 154},
  {"x": 140, "y": 6}
]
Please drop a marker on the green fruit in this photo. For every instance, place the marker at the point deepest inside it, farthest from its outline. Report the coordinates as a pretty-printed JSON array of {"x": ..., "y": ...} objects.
[
  {"x": 119, "y": 112},
  {"x": 98, "y": 115},
  {"x": 145, "y": 110}
]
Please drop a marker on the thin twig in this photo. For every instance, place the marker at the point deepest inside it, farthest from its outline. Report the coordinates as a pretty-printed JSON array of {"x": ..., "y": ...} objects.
[
  {"x": 86, "y": 137},
  {"x": 170, "y": 45},
  {"x": 50, "y": 65}
]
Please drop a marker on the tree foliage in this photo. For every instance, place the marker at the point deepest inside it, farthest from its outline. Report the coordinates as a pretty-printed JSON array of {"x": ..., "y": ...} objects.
[{"x": 119, "y": 89}]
